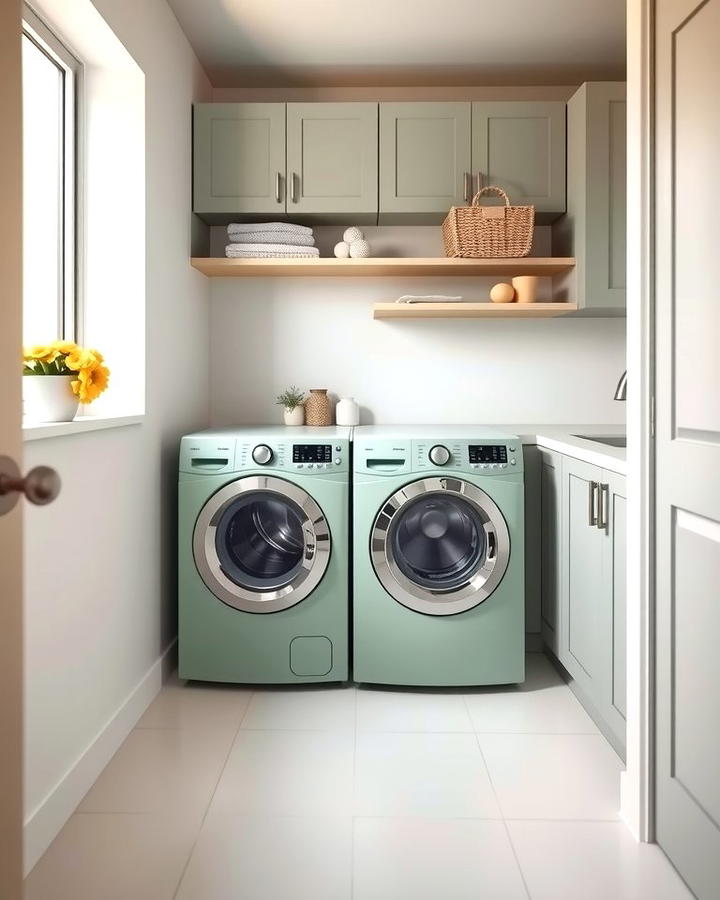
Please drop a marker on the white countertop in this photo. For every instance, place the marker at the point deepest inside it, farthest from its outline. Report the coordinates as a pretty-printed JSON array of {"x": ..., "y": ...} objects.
[{"x": 564, "y": 439}]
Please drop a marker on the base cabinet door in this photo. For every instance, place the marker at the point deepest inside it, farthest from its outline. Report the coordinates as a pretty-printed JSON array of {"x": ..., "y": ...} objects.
[
  {"x": 520, "y": 147},
  {"x": 551, "y": 544},
  {"x": 613, "y": 511},
  {"x": 581, "y": 650},
  {"x": 424, "y": 161},
  {"x": 332, "y": 160},
  {"x": 238, "y": 160}
]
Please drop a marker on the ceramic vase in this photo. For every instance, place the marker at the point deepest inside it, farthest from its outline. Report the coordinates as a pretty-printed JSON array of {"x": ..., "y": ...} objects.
[
  {"x": 525, "y": 288},
  {"x": 49, "y": 398},
  {"x": 317, "y": 408},
  {"x": 347, "y": 412},
  {"x": 295, "y": 416}
]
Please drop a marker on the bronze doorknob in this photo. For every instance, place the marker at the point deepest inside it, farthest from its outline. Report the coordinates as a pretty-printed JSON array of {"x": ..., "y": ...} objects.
[{"x": 40, "y": 486}]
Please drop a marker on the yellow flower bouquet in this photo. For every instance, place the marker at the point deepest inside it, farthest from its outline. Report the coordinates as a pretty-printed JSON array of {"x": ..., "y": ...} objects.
[{"x": 90, "y": 375}]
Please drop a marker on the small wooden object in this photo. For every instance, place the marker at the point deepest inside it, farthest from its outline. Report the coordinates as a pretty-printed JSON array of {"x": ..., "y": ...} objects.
[
  {"x": 525, "y": 288},
  {"x": 502, "y": 293}
]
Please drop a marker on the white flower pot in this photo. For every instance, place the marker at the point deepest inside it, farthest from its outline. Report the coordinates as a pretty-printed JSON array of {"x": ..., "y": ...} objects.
[
  {"x": 49, "y": 398},
  {"x": 294, "y": 416}
]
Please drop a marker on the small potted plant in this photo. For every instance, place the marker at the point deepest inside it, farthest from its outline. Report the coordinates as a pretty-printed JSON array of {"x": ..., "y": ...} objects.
[
  {"x": 293, "y": 401},
  {"x": 58, "y": 377}
]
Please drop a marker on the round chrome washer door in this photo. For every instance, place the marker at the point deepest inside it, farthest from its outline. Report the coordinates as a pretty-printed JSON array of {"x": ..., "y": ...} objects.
[
  {"x": 440, "y": 546},
  {"x": 261, "y": 544}
]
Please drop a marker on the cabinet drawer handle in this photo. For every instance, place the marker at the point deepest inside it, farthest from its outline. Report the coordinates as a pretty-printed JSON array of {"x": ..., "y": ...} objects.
[
  {"x": 602, "y": 519},
  {"x": 592, "y": 503},
  {"x": 467, "y": 187},
  {"x": 278, "y": 187},
  {"x": 480, "y": 181},
  {"x": 293, "y": 194}
]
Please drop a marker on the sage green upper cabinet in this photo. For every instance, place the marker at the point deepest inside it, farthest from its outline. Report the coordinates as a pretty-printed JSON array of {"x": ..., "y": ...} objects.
[
  {"x": 425, "y": 161},
  {"x": 332, "y": 160},
  {"x": 594, "y": 229},
  {"x": 520, "y": 147},
  {"x": 239, "y": 160}
]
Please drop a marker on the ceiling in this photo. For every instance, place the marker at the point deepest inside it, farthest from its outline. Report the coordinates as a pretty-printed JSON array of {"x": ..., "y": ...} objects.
[{"x": 405, "y": 42}]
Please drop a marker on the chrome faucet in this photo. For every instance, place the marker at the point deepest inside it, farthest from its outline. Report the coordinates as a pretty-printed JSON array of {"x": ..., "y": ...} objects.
[{"x": 621, "y": 389}]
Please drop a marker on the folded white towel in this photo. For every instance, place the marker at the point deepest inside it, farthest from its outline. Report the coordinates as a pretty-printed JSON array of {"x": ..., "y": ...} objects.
[
  {"x": 250, "y": 227},
  {"x": 277, "y": 237},
  {"x": 269, "y": 251},
  {"x": 427, "y": 298}
]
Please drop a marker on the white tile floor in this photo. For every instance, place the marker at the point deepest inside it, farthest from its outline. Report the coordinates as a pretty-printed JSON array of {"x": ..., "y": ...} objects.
[{"x": 332, "y": 793}]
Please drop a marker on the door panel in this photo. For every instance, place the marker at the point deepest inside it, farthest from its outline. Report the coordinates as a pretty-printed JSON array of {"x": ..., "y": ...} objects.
[
  {"x": 11, "y": 551},
  {"x": 618, "y": 569},
  {"x": 521, "y": 148},
  {"x": 424, "y": 160},
  {"x": 687, "y": 299},
  {"x": 332, "y": 164},
  {"x": 584, "y": 589},
  {"x": 551, "y": 507},
  {"x": 239, "y": 158}
]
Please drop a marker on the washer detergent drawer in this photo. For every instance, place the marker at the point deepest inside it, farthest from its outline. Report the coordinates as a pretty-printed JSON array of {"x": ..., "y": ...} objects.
[{"x": 311, "y": 655}]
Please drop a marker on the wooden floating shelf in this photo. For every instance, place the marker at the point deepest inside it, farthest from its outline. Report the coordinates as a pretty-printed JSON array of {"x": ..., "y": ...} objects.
[
  {"x": 220, "y": 267},
  {"x": 468, "y": 310}
]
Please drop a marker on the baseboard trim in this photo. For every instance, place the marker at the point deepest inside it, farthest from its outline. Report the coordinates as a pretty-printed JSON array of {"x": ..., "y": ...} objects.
[{"x": 46, "y": 820}]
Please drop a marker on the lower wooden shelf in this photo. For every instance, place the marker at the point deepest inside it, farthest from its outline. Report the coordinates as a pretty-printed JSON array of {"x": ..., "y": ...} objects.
[{"x": 467, "y": 310}]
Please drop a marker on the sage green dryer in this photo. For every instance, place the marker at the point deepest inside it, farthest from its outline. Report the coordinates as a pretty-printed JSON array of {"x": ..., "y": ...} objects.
[
  {"x": 264, "y": 533},
  {"x": 438, "y": 561}
]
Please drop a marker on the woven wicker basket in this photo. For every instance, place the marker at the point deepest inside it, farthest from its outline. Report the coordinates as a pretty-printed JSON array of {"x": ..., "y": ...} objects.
[{"x": 480, "y": 232}]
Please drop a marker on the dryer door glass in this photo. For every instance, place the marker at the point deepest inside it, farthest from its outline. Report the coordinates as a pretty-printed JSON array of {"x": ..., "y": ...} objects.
[
  {"x": 438, "y": 541},
  {"x": 440, "y": 546},
  {"x": 261, "y": 544}
]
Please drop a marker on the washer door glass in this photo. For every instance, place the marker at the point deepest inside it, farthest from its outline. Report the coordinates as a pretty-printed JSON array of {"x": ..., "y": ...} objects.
[
  {"x": 440, "y": 546},
  {"x": 438, "y": 541},
  {"x": 260, "y": 541},
  {"x": 261, "y": 544}
]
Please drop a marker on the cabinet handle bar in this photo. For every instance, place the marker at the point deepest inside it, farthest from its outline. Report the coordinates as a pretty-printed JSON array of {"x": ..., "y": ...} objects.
[{"x": 592, "y": 503}]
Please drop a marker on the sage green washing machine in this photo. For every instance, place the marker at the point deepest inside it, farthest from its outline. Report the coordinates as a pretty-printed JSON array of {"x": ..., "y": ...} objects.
[
  {"x": 263, "y": 555},
  {"x": 439, "y": 575}
]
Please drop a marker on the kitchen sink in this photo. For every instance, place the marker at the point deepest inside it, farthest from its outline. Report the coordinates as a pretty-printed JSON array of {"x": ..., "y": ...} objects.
[{"x": 610, "y": 440}]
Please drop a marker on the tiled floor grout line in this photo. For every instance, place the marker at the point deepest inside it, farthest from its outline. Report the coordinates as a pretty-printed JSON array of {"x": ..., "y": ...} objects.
[
  {"x": 212, "y": 796},
  {"x": 497, "y": 800}
]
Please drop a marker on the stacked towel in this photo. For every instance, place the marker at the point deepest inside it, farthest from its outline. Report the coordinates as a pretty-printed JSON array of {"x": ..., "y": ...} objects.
[
  {"x": 428, "y": 298},
  {"x": 266, "y": 240}
]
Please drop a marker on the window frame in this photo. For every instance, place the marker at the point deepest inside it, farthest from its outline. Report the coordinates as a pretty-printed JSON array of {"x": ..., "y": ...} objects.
[{"x": 69, "y": 315}]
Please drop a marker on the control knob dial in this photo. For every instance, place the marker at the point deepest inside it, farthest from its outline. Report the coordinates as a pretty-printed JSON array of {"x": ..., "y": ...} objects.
[
  {"x": 439, "y": 455},
  {"x": 262, "y": 454}
]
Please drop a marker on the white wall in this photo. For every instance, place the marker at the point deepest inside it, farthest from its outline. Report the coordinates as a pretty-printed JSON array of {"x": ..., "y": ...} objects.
[
  {"x": 100, "y": 562},
  {"x": 319, "y": 332}
]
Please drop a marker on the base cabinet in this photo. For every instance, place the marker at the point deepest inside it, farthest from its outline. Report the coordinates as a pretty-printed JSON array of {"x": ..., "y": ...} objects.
[{"x": 583, "y": 584}]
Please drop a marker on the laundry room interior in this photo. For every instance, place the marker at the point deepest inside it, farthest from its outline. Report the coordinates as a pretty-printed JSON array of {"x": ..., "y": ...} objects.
[{"x": 340, "y": 540}]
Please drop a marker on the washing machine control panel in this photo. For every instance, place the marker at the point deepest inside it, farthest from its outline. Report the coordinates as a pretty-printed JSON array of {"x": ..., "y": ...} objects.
[
  {"x": 465, "y": 456},
  {"x": 305, "y": 458}
]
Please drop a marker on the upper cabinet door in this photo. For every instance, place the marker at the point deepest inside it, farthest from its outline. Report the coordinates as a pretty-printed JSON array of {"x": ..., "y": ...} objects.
[
  {"x": 332, "y": 165},
  {"x": 239, "y": 159},
  {"x": 520, "y": 147},
  {"x": 424, "y": 160}
]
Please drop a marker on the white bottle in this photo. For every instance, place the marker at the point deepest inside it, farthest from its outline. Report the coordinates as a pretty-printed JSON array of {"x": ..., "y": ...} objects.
[{"x": 347, "y": 411}]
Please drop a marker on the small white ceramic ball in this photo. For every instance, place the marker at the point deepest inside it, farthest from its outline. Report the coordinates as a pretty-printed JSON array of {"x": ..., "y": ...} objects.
[
  {"x": 359, "y": 249},
  {"x": 352, "y": 234},
  {"x": 342, "y": 250}
]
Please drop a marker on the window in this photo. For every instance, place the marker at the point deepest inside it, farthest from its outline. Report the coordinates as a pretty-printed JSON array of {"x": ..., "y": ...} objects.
[{"x": 50, "y": 83}]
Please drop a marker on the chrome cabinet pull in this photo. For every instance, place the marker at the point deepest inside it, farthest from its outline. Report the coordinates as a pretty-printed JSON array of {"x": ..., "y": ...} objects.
[
  {"x": 480, "y": 181},
  {"x": 602, "y": 518},
  {"x": 467, "y": 186},
  {"x": 278, "y": 187},
  {"x": 293, "y": 195},
  {"x": 592, "y": 503}
]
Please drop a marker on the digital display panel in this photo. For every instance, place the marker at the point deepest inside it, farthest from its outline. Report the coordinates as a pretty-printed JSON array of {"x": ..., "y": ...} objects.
[
  {"x": 314, "y": 453},
  {"x": 488, "y": 453}
]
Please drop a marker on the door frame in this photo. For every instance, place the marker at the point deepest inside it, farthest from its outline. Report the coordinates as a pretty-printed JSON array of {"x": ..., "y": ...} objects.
[{"x": 637, "y": 787}]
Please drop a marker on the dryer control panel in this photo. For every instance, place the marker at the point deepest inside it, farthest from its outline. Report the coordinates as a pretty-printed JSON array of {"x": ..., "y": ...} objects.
[
  {"x": 395, "y": 457},
  {"x": 306, "y": 457}
]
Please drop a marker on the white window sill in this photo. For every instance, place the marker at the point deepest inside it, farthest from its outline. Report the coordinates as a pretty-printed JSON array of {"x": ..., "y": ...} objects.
[{"x": 37, "y": 430}]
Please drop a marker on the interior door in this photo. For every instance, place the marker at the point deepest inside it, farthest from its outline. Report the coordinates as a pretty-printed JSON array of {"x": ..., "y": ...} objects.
[
  {"x": 687, "y": 354},
  {"x": 10, "y": 446},
  {"x": 332, "y": 164}
]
